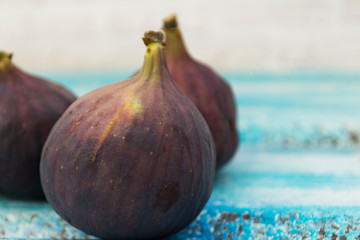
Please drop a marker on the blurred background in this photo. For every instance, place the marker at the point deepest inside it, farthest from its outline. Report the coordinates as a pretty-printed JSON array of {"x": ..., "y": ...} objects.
[{"x": 230, "y": 35}]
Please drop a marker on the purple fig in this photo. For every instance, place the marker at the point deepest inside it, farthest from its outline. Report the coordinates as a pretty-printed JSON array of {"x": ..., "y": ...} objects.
[
  {"x": 130, "y": 160},
  {"x": 206, "y": 89},
  {"x": 29, "y": 107}
]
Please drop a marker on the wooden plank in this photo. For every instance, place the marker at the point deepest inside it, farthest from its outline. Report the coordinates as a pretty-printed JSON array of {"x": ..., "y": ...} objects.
[{"x": 288, "y": 180}]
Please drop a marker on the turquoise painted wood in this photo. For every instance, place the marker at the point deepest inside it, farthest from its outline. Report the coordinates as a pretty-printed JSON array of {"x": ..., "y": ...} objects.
[{"x": 295, "y": 176}]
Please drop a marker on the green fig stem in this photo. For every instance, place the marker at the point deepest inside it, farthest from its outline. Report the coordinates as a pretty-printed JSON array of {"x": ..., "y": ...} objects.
[
  {"x": 154, "y": 62},
  {"x": 175, "y": 46},
  {"x": 5, "y": 61},
  {"x": 153, "y": 37}
]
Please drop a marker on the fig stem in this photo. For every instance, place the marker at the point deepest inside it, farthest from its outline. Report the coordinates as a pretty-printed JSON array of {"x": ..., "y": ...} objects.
[
  {"x": 170, "y": 22},
  {"x": 153, "y": 36},
  {"x": 154, "y": 62},
  {"x": 5, "y": 55},
  {"x": 5, "y": 60},
  {"x": 175, "y": 47}
]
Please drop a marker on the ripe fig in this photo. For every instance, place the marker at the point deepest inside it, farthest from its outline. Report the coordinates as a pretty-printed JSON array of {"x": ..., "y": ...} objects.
[
  {"x": 206, "y": 89},
  {"x": 130, "y": 160},
  {"x": 29, "y": 107}
]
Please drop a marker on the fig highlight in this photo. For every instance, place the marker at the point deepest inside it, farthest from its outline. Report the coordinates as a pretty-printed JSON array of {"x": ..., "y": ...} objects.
[
  {"x": 131, "y": 160},
  {"x": 29, "y": 107},
  {"x": 206, "y": 89}
]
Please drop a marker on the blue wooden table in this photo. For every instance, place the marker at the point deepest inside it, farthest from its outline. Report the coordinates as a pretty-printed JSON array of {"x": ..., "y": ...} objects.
[{"x": 295, "y": 176}]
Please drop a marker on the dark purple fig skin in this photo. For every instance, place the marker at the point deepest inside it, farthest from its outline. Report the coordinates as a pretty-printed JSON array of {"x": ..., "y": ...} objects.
[
  {"x": 206, "y": 89},
  {"x": 29, "y": 107},
  {"x": 131, "y": 160}
]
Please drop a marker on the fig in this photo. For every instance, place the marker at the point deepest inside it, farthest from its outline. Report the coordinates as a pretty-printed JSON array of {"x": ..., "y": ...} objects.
[
  {"x": 131, "y": 160},
  {"x": 29, "y": 107},
  {"x": 206, "y": 89}
]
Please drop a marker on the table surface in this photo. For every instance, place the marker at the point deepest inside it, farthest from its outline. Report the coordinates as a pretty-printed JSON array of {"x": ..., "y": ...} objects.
[{"x": 295, "y": 176}]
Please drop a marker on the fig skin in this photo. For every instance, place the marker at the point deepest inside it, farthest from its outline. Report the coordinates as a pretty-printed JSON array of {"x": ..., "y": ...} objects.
[
  {"x": 29, "y": 107},
  {"x": 131, "y": 160},
  {"x": 206, "y": 89}
]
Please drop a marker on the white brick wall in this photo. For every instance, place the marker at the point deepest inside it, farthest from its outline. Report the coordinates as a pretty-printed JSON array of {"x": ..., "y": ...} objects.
[{"x": 232, "y": 35}]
